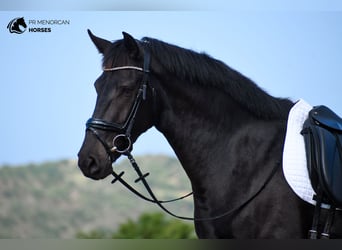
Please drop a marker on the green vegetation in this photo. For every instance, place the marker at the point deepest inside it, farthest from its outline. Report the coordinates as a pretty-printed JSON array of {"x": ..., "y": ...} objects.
[
  {"x": 55, "y": 200},
  {"x": 147, "y": 226}
]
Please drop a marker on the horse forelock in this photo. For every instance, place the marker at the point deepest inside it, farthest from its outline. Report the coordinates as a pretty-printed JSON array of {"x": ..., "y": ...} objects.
[{"x": 113, "y": 54}]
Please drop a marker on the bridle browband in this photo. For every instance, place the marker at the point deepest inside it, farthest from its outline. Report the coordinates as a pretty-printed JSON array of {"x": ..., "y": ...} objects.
[
  {"x": 124, "y": 67},
  {"x": 124, "y": 135}
]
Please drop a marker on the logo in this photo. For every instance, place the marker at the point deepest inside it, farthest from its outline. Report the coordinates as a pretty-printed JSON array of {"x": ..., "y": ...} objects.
[{"x": 17, "y": 25}]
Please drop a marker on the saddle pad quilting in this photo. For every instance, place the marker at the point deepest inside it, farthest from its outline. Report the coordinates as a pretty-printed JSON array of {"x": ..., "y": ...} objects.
[{"x": 294, "y": 156}]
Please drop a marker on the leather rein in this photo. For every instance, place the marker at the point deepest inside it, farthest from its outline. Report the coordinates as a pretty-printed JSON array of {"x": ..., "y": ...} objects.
[{"x": 124, "y": 136}]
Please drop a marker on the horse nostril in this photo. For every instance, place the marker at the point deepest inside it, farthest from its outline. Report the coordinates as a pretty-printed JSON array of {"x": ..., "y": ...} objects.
[
  {"x": 93, "y": 166},
  {"x": 94, "y": 170}
]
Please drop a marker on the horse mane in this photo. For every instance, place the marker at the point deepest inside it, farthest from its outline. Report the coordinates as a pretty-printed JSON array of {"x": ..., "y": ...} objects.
[{"x": 202, "y": 69}]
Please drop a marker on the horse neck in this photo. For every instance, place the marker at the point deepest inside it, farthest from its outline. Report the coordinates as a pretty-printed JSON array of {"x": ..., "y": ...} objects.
[{"x": 197, "y": 122}]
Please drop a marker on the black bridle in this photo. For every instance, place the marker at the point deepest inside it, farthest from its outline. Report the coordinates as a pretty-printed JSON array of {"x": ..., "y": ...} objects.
[
  {"x": 122, "y": 144},
  {"x": 123, "y": 130}
]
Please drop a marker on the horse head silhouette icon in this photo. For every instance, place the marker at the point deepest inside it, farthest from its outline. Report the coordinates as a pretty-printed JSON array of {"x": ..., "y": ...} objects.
[{"x": 17, "y": 25}]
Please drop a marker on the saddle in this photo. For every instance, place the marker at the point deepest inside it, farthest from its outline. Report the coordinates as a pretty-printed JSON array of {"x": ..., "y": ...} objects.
[{"x": 322, "y": 133}]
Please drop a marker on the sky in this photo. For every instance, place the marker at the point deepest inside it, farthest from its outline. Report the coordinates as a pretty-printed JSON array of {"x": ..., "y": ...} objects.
[{"x": 47, "y": 78}]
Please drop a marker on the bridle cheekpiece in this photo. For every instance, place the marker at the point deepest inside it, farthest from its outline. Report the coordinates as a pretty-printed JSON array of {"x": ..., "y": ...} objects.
[{"x": 123, "y": 130}]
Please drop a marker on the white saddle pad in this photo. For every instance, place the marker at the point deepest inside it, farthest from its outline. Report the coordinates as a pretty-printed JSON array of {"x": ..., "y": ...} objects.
[{"x": 294, "y": 156}]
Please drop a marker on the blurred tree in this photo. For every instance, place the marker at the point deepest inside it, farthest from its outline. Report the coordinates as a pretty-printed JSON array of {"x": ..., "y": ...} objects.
[
  {"x": 94, "y": 234},
  {"x": 147, "y": 226}
]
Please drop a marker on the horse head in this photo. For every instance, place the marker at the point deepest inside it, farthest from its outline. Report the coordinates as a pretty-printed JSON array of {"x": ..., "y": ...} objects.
[
  {"x": 21, "y": 22},
  {"x": 124, "y": 105}
]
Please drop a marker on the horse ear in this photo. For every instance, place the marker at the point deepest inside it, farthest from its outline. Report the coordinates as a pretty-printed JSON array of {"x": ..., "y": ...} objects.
[
  {"x": 131, "y": 45},
  {"x": 101, "y": 44}
]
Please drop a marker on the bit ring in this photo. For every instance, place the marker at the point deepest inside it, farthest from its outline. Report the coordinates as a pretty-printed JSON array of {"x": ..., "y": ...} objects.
[{"x": 121, "y": 144}]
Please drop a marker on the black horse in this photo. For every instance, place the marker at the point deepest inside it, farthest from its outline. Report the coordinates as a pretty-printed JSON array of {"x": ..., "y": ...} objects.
[{"x": 227, "y": 133}]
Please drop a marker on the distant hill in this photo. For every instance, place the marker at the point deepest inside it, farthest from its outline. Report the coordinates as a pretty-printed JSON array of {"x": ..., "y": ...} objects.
[{"x": 55, "y": 200}]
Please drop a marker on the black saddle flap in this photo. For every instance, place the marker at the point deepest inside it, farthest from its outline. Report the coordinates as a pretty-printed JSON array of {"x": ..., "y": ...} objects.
[
  {"x": 323, "y": 139},
  {"x": 323, "y": 116}
]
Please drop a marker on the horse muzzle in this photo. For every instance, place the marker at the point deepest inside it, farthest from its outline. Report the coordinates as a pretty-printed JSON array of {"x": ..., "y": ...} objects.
[{"x": 94, "y": 161}]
